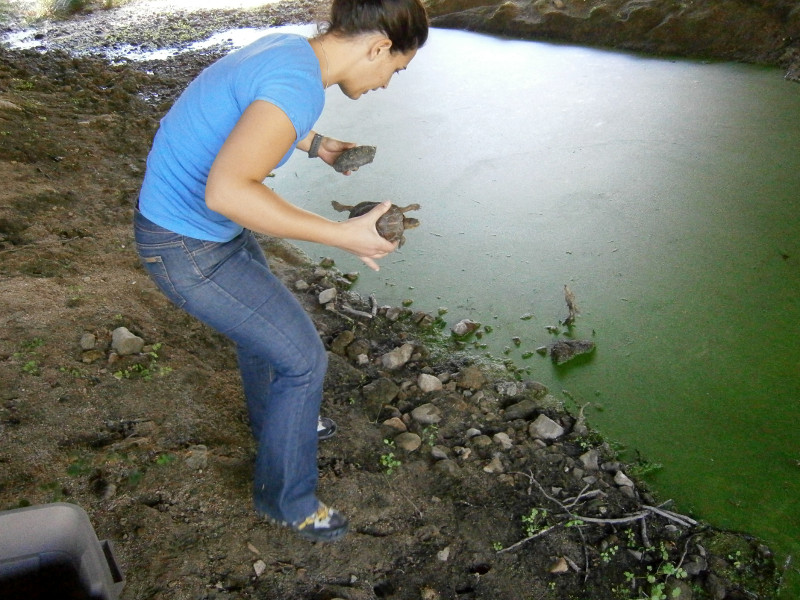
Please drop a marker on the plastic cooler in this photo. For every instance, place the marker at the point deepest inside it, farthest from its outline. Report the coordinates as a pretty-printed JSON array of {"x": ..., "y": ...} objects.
[{"x": 52, "y": 551}]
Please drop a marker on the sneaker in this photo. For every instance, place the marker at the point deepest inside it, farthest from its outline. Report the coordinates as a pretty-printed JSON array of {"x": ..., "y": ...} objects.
[
  {"x": 326, "y": 428},
  {"x": 325, "y": 525}
]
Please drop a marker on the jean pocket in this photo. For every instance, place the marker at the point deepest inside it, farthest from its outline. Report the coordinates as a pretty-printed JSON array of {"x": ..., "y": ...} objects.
[{"x": 158, "y": 273}]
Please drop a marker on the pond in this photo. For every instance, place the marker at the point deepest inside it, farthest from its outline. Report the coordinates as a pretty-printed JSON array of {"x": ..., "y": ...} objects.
[{"x": 665, "y": 195}]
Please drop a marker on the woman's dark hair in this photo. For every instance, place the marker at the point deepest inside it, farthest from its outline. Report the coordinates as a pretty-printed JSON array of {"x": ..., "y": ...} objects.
[{"x": 404, "y": 22}]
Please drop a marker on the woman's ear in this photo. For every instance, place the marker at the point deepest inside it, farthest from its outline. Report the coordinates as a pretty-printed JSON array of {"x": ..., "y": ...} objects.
[{"x": 380, "y": 45}]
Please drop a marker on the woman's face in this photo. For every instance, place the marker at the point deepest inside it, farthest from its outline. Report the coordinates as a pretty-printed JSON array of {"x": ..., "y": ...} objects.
[{"x": 376, "y": 72}]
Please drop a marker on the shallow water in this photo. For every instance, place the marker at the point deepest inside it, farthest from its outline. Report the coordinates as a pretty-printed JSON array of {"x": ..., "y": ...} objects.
[{"x": 664, "y": 193}]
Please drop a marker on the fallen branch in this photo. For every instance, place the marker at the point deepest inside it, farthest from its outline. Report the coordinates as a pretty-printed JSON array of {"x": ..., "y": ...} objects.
[
  {"x": 672, "y": 516},
  {"x": 527, "y": 539}
]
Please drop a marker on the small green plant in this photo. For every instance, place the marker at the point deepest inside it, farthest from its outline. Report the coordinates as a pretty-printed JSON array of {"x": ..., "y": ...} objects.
[
  {"x": 388, "y": 460},
  {"x": 736, "y": 559},
  {"x": 497, "y": 546},
  {"x": 534, "y": 521},
  {"x": 27, "y": 353},
  {"x": 31, "y": 367},
  {"x": 430, "y": 434},
  {"x": 162, "y": 460},
  {"x": 609, "y": 553},
  {"x": 148, "y": 371},
  {"x": 657, "y": 580}
]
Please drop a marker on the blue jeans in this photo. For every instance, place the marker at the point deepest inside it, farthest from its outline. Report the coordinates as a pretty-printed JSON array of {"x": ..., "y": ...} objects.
[{"x": 281, "y": 358}]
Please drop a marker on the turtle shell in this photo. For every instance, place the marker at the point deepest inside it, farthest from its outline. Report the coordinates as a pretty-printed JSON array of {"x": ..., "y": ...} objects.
[
  {"x": 353, "y": 158},
  {"x": 391, "y": 225}
]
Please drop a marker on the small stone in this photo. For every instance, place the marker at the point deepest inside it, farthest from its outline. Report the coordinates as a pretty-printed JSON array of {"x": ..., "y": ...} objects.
[
  {"x": 495, "y": 465},
  {"x": 88, "y": 341},
  {"x": 397, "y": 424},
  {"x": 471, "y": 378},
  {"x": 440, "y": 452},
  {"x": 342, "y": 341},
  {"x": 521, "y": 410},
  {"x": 125, "y": 343},
  {"x": 397, "y": 357},
  {"x": 443, "y": 554},
  {"x": 410, "y": 442},
  {"x": 545, "y": 428},
  {"x": 427, "y": 414},
  {"x": 590, "y": 460},
  {"x": 465, "y": 327},
  {"x": 301, "y": 285},
  {"x": 622, "y": 480},
  {"x": 503, "y": 440},
  {"x": 481, "y": 441},
  {"x": 259, "y": 567},
  {"x": 393, "y": 313},
  {"x": 198, "y": 457},
  {"x": 472, "y": 432},
  {"x": 429, "y": 383},
  {"x": 565, "y": 350},
  {"x": 327, "y": 296},
  {"x": 560, "y": 566},
  {"x": 91, "y": 356}
]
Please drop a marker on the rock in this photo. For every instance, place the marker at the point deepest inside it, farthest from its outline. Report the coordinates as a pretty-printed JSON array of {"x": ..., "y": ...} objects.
[
  {"x": 521, "y": 410},
  {"x": 88, "y": 341},
  {"x": 427, "y": 414},
  {"x": 622, "y": 480},
  {"x": 495, "y": 465},
  {"x": 565, "y": 350},
  {"x": 471, "y": 378},
  {"x": 590, "y": 460},
  {"x": 327, "y": 296},
  {"x": 397, "y": 424},
  {"x": 481, "y": 441},
  {"x": 439, "y": 452},
  {"x": 197, "y": 458},
  {"x": 301, "y": 285},
  {"x": 509, "y": 389},
  {"x": 465, "y": 327},
  {"x": 259, "y": 567},
  {"x": 126, "y": 343},
  {"x": 443, "y": 554},
  {"x": 695, "y": 565},
  {"x": 398, "y": 357},
  {"x": 429, "y": 383},
  {"x": 342, "y": 341},
  {"x": 503, "y": 440},
  {"x": 472, "y": 432},
  {"x": 410, "y": 442},
  {"x": 377, "y": 393},
  {"x": 447, "y": 466},
  {"x": 544, "y": 428},
  {"x": 359, "y": 347},
  {"x": 560, "y": 566},
  {"x": 90, "y": 356}
]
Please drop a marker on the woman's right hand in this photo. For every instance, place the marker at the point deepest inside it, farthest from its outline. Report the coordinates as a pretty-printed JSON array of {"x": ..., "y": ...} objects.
[{"x": 360, "y": 237}]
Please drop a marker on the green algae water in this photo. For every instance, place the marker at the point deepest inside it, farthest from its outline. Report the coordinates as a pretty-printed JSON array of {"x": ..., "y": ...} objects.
[{"x": 666, "y": 194}]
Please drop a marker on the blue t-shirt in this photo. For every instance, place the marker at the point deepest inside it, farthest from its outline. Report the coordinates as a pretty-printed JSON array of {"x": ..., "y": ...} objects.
[{"x": 281, "y": 69}]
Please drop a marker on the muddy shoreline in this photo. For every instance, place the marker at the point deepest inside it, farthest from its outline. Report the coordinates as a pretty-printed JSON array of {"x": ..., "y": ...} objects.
[{"x": 462, "y": 478}]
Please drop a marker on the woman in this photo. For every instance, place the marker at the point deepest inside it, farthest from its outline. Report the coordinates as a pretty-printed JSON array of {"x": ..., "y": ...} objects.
[{"x": 203, "y": 196}]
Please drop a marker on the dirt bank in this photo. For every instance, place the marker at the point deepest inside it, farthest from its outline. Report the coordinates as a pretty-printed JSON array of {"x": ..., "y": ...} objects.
[{"x": 494, "y": 491}]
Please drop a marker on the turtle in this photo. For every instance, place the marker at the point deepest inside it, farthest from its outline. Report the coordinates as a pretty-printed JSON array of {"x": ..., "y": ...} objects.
[
  {"x": 352, "y": 158},
  {"x": 391, "y": 225}
]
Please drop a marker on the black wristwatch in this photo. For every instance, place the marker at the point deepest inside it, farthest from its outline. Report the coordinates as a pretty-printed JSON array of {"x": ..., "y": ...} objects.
[{"x": 313, "y": 151}]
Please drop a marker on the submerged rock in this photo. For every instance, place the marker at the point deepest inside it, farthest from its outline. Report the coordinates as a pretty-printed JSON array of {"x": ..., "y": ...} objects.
[{"x": 565, "y": 350}]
